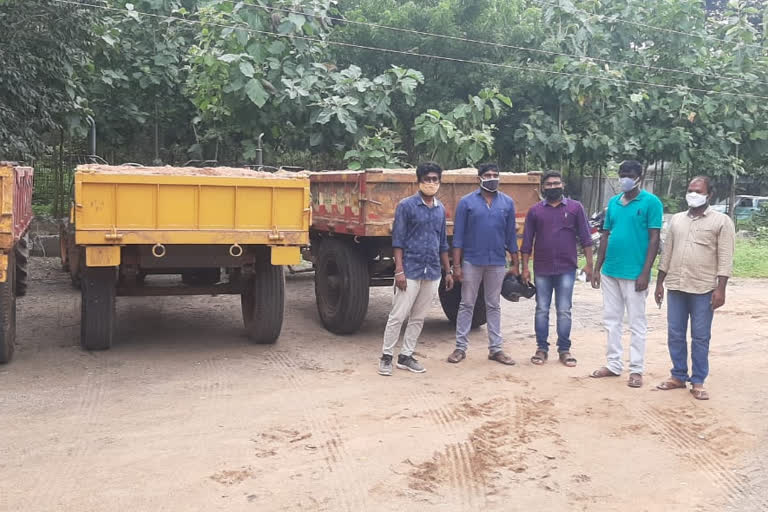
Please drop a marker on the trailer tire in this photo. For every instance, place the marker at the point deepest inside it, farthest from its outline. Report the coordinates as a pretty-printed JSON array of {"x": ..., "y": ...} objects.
[
  {"x": 8, "y": 313},
  {"x": 97, "y": 318},
  {"x": 64, "y": 250},
  {"x": 76, "y": 265},
  {"x": 22, "y": 265},
  {"x": 450, "y": 301},
  {"x": 263, "y": 302},
  {"x": 341, "y": 286}
]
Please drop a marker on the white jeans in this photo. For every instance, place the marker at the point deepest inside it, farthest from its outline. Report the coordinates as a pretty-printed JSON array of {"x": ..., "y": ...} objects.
[
  {"x": 413, "y": 304},
  {"x": 620, "y": 295}
]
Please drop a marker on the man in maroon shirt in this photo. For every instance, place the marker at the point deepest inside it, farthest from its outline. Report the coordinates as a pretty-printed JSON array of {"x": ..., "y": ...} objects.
[{"x": 553, "y": 227}]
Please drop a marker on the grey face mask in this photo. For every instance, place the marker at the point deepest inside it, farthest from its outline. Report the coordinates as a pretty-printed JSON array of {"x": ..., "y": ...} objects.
[
  {"x": 628, "y": 184},
  {"x": 491, "y": 184}
]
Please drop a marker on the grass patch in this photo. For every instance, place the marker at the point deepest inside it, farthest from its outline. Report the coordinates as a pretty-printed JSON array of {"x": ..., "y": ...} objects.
[{"x": 750, "y": 259}]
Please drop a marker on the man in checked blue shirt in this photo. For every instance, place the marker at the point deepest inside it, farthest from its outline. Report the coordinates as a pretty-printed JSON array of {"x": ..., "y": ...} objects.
[
  {"x": 483, "y": 232},
  {"x": 419, "y": 245}
]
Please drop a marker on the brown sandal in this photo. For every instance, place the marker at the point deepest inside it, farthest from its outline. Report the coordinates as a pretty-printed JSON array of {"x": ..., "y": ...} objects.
[
  {"x": 603, "y": 372},
  {"x": 671, "y": 383},
  {"x": 700, "y": 393},
  {"x": 501, "y": 357},
  {"x": 540, "y": 357},
  {"x": 635, "y": 380},
  {"x": 457, "y": 356},
  {"x": 567, "y": 359}
]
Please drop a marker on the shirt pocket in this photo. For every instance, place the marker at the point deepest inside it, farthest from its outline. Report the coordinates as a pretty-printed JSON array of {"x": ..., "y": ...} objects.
[
  {"x": 569, "y": 221},
  {"x": 704, "y": 236}
]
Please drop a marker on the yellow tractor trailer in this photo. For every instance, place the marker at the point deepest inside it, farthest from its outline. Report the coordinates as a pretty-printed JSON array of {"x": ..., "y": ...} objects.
[{"x": 223, "y": 230}]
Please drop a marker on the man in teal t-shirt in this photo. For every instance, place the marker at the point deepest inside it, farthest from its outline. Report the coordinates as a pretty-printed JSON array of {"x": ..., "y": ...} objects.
[{"x": 628, "y": 246}]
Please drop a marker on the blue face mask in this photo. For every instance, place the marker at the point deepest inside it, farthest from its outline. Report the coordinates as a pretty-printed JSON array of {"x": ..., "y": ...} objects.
[{"x": 627, "y": 184}]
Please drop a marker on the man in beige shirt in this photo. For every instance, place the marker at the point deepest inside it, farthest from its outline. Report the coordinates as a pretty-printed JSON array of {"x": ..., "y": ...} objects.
[{"x": 696, "y": 262}]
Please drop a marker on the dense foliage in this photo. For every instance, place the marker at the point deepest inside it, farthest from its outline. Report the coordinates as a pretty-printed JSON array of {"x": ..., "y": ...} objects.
[{"x": 574, "y": 84}]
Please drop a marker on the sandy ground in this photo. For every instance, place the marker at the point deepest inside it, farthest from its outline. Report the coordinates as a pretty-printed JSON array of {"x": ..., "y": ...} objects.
[{"x": 183, "y": 414}]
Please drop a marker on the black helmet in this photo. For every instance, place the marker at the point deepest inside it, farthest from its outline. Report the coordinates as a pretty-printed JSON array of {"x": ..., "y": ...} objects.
[{"x": 513, "y": 288}]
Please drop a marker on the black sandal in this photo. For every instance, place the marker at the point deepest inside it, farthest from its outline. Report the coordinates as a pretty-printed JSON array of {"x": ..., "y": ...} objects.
[
  {"x": 540, "y": 357},
  {"x": 567, "y": 359}
]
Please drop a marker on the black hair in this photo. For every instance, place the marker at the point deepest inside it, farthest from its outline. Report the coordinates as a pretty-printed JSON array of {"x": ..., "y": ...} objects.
[
  {"x": 425, "y": 168},
  {"x": 632, "y": 166},
  {"x": 484, "y": 168},
  {"x": 551, "y": 174},
  {"x": 707, "y": 181}
]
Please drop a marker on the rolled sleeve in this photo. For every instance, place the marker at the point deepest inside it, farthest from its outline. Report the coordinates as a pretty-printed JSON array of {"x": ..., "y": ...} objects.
[
  {"x": 511, "y": 235},
  {"x": 399, "y": 227},
  {"x": 443, "y": 236},
  {"x": 726, "y": 241},
  {"x": 585, "y": 236},
  {"x": 529, "y": 231},
  {"x": 459, "y": 224}
]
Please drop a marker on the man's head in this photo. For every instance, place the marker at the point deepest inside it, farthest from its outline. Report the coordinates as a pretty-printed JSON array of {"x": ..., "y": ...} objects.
[
  {"x": 630, "y": 172},
  {"x": 552, "y": 186},
  {"x": 699, "y": 192},
  {"x": 488, "y": 174},
  {"x": 429, "y": 174}
]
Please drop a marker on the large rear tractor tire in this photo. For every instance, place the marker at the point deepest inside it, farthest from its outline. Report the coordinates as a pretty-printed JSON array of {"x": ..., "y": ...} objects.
[
  {"x": 22, "y": 265},
  {"x": 341, "y": 286},
  {"x": 450, "y": 301},
  {"x": 97, "y": 320},
  {"x": 8, "y": 313},
  {"x": 263, "y": 303}
]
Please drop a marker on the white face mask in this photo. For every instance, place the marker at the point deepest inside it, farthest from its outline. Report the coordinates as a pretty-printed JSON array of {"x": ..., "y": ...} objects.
[{"x": 695, "y": 200}]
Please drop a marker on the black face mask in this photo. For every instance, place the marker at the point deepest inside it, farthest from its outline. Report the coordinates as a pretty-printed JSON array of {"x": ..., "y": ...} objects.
[{"x": 553, "y": 194}]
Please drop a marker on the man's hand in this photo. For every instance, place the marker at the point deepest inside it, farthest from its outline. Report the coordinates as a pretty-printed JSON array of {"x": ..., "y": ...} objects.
[
  {"x": 718, "y": 298},
  {"x": 588, "y": 272},
  {"x": 642, "y": 282},
  {"x": 458, "y": 275},
  {"x": 400, "y": 281},
  {"x": 659, "y": 293},
  {"x": 514, "y": 270},
  {"x": 526, "y": 276},
  {"x": 448, "y": 282},
  {"x": 596, "y": 280}
]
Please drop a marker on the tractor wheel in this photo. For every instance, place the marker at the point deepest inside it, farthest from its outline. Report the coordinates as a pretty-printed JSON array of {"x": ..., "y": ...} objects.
[
  {"x": 76, "y": 264},
  {"x": 450, "y": 301},
  {"x": 8, "y": 313},
  {"x": 22, "y": 265},
  {"x": 263, "y": 302},
  {"x": 97, "y": 320},
  {"x": 341, "y": 286}
]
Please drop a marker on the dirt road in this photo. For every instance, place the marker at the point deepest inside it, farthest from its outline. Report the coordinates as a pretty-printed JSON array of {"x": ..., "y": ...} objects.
[{"x": 183, "y": 414}]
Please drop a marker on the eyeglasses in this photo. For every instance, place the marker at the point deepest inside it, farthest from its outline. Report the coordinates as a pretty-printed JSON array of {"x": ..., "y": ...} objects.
[
  {"x": 430, "y": 179},
  {"x": 553, "y": 184}
]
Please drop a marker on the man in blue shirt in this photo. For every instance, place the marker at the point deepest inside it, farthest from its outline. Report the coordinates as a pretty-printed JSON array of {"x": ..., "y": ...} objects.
[
  {"x": 419, "y": 245},
  {"x": 628, "y": 246},
  {"x": 483, "y": 232}
]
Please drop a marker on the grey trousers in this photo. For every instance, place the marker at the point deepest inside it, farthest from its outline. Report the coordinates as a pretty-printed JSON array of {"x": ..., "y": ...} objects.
[
  {"x": 413, "y": 304},
  {"x": 492, "y": 277}
]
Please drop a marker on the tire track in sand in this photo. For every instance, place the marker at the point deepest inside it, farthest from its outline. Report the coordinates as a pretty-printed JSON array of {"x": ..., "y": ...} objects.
[
  {"x": 54, "y": 487},
  {"x": 465, "y": 486},
  {"x": 714, "y": 466},
  {"x": 349, "y": 491}
]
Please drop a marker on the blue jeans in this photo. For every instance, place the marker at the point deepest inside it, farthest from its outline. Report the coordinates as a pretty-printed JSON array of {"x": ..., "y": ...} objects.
[
  {"x": 697, "y": 307},
  {"x": 562, "y": 285}
]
